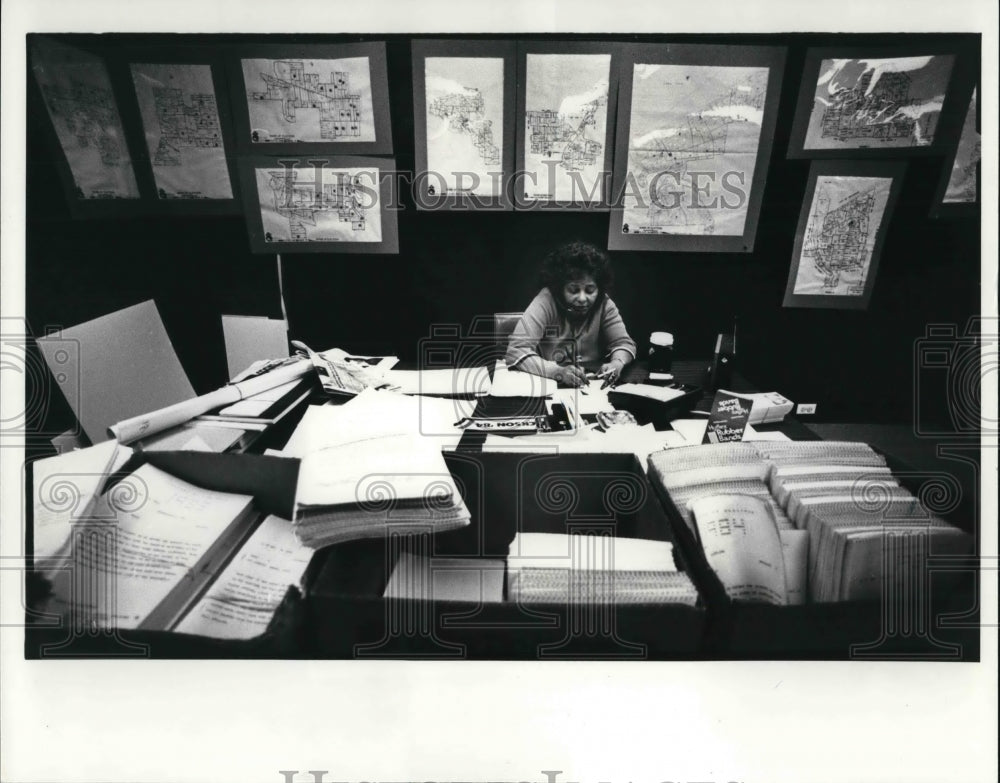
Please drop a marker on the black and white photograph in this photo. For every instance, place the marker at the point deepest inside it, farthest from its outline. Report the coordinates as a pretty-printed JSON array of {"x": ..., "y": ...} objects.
[{"x": 659, "y": 443}]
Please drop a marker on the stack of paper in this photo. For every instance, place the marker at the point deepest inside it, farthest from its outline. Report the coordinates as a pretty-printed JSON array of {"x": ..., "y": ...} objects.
[
  {"x": 851, "y": 547},
  {"x": 641, "y": 441},
  {"x": 269, "y": 405},
  {"x": 467, "y": 579},
  {"x": 369, "y": 488},
  {"x": 458, "y": 382},
  {"x": 820, "y": 452},
  {"x": 651, "y": 392},
  {"x": 375, "y": 414},
  {"x": 556, "y": 568},
  {"x": 515, "y": 383},
  {"x": 857, "y": 515},
  {"x": 688, "y": 474}
]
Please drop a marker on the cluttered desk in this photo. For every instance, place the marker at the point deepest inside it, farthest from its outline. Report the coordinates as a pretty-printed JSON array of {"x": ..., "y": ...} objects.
[{"x": 355, "y": 508}]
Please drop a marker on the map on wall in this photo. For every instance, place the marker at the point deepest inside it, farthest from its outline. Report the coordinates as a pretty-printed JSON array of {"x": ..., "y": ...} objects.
[
  {"x": 962, "y": 188},
  {"x": 77, "y": 93},
  {"x": 840, "y": 232},
  {"x": 464, "y": 108},
  {"x": 693, "y": 137},
  {"x": 878, "y": 103},
  {"x": 180, "y": 118},
  {"x": 565, "y": 125},
  {"x": 304, "y": 100},
  {"x": 340, "y": 205}
]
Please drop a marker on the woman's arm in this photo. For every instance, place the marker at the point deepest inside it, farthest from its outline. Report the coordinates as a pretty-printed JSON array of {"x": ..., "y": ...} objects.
[
  {"x": 621, "y": 348},
  {"x": 523, "y": 348},
  {"x": 614, "y": 335}
]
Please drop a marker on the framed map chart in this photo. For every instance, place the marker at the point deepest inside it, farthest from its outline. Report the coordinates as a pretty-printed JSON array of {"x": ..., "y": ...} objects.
[
  {"x": 315, "y": 204},
  {"x": 463, "y": 105},
  {"x": 96, "y": 165},
  {"x": 856, "y": 102},
  {"x": 958, "y": 190},
  {"x": 186, "y": 129},
  {"x": 320, "y": 97},
  {"x": 695, "y": 126},
  {"x": 565, "y": 109},
  {"x": 841, "y": 230}
]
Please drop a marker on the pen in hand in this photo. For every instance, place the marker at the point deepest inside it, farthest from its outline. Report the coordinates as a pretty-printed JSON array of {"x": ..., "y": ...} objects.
[{"x": 608, "y": 378}]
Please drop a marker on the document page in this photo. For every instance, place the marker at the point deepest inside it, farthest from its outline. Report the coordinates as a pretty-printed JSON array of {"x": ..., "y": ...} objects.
[
  {"x": 742, "y": 546},
  {"x": 243, "y": 599},
  {"x": 514, "y": 383},
  {"x": 461, "y": 381},
  {"x": 118, "y": 572},
  {"x": 63, "y": 486}
]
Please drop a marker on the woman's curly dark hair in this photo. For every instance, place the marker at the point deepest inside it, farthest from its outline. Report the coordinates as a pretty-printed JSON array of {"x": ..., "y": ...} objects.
[{"x": 574, "y": 260}]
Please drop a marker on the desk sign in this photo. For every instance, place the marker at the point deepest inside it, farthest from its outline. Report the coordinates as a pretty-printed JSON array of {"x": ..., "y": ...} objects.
[
  {"x": 728, "y": 418},
  {"x": 508, "y": 425}
]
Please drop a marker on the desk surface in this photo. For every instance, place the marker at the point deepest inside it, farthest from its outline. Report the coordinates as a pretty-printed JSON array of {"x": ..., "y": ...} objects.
[{"x": 345, "y": 610}]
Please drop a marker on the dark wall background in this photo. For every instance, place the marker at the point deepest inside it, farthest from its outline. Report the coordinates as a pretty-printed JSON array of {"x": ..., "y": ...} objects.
[{"x": 455, "y": 266}]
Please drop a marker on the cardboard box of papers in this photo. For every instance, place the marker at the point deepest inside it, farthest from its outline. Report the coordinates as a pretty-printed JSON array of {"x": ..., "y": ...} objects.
[
  {"x": 803, "y": 594},
  {"x": 198, "y": 557},
  {"x": 447, "y": 595}
]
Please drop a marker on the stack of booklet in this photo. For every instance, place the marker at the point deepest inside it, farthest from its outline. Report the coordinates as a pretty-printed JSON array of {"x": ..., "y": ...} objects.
[
  {"x": 714, "y": 469},
  {"x": 740, "y": 526},
  {"x": 754, "y": 560},
  {"x": 829, "y": 514},
  {"x": 557, "y": 568},
  {"x": 375, "y": 486},
  {"x": 867, "y": 532}
]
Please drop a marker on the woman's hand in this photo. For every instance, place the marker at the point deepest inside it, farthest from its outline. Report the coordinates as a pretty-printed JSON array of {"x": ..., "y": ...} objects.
[
  {"x": 568, "y": 375},
  {"x": 611, "y": 371}
]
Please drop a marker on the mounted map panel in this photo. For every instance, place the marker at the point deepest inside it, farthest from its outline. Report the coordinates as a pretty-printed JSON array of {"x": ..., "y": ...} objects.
[
  {"x": 296, "y": 98},
  {"x": 463, "y": 121},
  {"x": 316, "y": 204},
  {"x": 695, "y": 126}
]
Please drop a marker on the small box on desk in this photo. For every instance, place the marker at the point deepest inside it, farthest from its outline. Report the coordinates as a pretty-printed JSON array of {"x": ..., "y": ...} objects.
[
  {"x": 506, "y": 493},
  {"x": 656, "y": 405}
]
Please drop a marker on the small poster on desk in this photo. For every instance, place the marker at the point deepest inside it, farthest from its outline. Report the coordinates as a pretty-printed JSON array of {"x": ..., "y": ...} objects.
[{"x": 728, "y": 418}]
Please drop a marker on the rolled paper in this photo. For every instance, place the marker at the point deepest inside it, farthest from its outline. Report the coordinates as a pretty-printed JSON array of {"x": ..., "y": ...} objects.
[{"x": 147, "y": 424}]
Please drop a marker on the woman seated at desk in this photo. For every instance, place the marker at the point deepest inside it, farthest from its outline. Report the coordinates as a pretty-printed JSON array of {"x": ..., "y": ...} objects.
[{"x": 572, "y": 325}]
